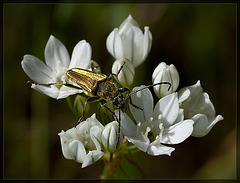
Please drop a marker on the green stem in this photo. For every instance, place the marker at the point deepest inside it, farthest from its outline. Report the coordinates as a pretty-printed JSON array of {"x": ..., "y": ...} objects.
[{"x": 111, "y": 157}]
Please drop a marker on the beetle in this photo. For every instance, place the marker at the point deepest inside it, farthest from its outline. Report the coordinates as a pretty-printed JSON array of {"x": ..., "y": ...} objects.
[{"x": 103, "y": 88}]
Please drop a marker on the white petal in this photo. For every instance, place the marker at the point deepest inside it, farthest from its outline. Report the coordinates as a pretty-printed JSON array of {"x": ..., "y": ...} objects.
[
  {"x": 65, "y": 139},
  {"x": 177, "y": 133},
  {"x": 144, "y": 100},
  {"x": 202, "y": 125},
  {"x": 140, "y": 141},
  {"x": 78, "y": 151},
  {"x": 81, "y": 55},
  {"x": 183, "y": 95},
  {"x": 92, "y": 157},
  {"x": 128, "y": 128},
  {"x": 126, "y": 76},
  {"x": 147, "y": 44},
  {"x": 95, "y": 133},
  {"x": 51, "y": 91},
  {"x": 168, "y": 107},
  {"x": 56, "y": 52},
  {"x": 157, "y": 70},
  {"x": 110, "y": 135},
  {"x": 159, "y": 149},
  {"x": 114, "y": 44},
  {"x": 129, "y": 20},
  {"x": 132, "y": 41},
  {"x": 36, "y": 69},
  {"x": 65, "y": 91}
]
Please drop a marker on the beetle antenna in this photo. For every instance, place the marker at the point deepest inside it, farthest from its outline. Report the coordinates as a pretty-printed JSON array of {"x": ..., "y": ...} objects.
[{"x": 128, "y": 95}]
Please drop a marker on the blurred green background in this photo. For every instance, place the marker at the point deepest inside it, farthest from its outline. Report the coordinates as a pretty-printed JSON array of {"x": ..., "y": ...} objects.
[{"x": 199, "y": 39}]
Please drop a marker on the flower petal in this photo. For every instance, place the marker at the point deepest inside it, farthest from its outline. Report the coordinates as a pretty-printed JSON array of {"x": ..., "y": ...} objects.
[
  {"x": 126, "y": 76},
  {"x": 36, "y": 69},
  {"x": 114, "y": 44},
  {"x": 183, "y": 95},
  {"x": 81, "y": 55},
  {"x": 77, "y": 150},
  {"x": 156, "y": 149},
  {"x": 177, "y": 133},
  {"x": 128, "y": 128},
  {"x": 140, "y": 141},
  {"x": 65, "y": 138},
  {"x": 95, "y": 133},
  {"x": 129, "y": 20},
  {"x": 168, "y": 107},
  {"x": 51, "y": 91},
  {"x": 132, "y": 40},
  {"x": 92, "y": 157},
  {"x": 147, "y": 44},
  {"x": 110, "y": 135},
  {"x": 56, "y": 52},
  {"x": 144, "y": 100},
  {"x": 202, "y": 125},
  {"x": 65, "y": 91}
]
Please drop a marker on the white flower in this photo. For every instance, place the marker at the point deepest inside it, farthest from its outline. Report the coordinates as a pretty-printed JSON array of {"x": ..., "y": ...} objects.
[
  {"x": 155, "y": 127},
  {"x": 126, "y": 75},
  {"x": 110, "y": 135},
  {"x": 198, "y": 107},
  {"x": 83, "y": 143},
  {"x": 165, "y": 73},
  {"x": 57, "y": 63},
  {"x": 129, "y": 42}
]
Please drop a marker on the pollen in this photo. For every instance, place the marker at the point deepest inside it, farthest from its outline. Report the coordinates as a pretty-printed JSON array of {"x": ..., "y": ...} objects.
[{"x": 150, "y": 119}]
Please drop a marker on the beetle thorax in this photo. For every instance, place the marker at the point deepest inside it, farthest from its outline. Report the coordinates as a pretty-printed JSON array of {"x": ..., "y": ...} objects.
[{"x": 107, "y": 90}]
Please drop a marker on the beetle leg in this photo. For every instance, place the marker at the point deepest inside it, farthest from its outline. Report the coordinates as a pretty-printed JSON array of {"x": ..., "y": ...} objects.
[
  {"x": 91, "y": 99},
  {"x": 116, "y": 75},
  {"x": 120, "y": 68},
  {"x": 103, "y": 102},
  {"x": 126, "y": 89},
  {"x": 94, "y": 68}
]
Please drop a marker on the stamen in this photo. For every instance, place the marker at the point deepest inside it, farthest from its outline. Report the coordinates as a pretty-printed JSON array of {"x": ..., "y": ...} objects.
[
  {"x": 138, "y": 123},
  {"x": 150, "y": 119},
  {"x": 160, "y": 117},
  {"x": 161, "y": 127},
  {"x": 148, "y": 129}
]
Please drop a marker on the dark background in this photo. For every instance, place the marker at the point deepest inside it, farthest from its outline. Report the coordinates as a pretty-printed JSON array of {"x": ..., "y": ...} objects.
[{"x": 199, "y": 39}]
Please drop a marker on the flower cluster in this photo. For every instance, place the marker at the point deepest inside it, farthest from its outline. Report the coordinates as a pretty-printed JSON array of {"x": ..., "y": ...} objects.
[{"x": 151, "y": 129}]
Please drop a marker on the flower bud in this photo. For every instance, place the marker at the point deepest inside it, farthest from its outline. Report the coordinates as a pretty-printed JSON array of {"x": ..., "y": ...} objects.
[
  {"x": 93, "y": 65},
  {"x": 165, "y": 73},
  {"x": 126, "y": 75},
  {"x": 110, "y": 135},
  {"x": 79, "y": 103},
  {"x": 129, "y": 42}
]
